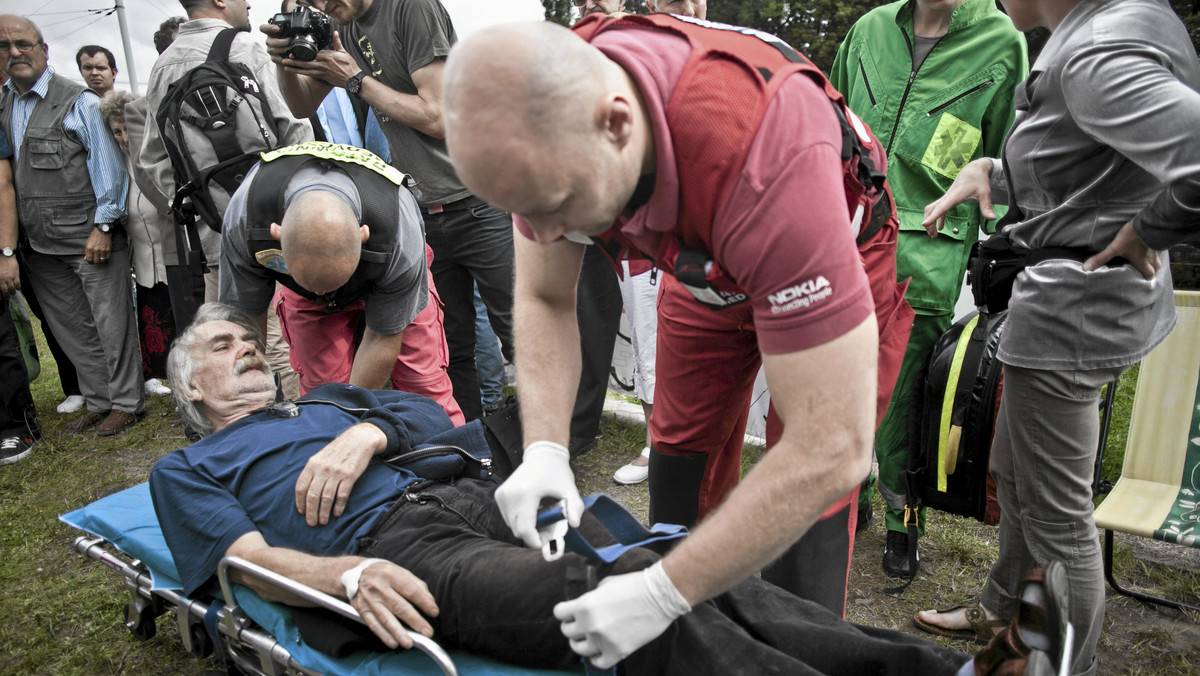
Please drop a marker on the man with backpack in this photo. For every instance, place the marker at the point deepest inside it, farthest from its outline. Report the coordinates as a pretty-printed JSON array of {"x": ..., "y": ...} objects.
[
  {"x": 156, "y": 169},
  {"x": 753, "y": 192},
  {"x": 206, "y": 20},
  {"x": 71, "y": 184}
]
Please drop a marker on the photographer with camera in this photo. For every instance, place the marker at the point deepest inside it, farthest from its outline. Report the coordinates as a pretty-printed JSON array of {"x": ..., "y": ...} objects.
[
  {"x": 341, "y": 118},
  {"x": 391, "y": 54}
]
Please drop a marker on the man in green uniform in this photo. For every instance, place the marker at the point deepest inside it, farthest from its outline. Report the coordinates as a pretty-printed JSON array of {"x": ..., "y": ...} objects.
[{"x": 934, "y": 80}]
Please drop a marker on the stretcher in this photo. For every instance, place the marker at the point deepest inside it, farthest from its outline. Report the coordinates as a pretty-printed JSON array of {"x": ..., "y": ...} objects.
[{"x": 244, "y": 631}]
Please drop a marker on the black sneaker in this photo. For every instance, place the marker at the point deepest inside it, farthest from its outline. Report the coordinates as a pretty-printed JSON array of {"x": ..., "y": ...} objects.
[
  {"x": 15, "y": 448},
  {"x": 895, "y": 556}
]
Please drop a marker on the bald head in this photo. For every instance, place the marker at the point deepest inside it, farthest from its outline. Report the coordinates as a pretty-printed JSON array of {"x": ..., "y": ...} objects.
[
  {"x": 553, "y": 102},
  {"x": 321, "y": 240}
]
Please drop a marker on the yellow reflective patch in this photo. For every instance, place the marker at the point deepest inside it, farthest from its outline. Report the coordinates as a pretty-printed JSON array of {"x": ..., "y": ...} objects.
[
  {"x": 952, "y": 146},
  {"x": 272, "y": 259},
  {"x": 342, "y": 152}
]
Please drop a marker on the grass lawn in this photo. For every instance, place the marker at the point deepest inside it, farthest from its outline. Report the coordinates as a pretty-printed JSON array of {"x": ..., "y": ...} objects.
[{"x": 62, "y": 614}]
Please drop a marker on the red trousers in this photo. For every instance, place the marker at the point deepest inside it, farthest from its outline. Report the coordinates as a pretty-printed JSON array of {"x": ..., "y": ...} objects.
[
  {"x": 706, "y": 365},
  {"x": 323, "y": 345}
]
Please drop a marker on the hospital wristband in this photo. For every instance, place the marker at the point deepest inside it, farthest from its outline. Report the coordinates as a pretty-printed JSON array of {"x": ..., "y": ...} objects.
[{"x": 350, "y": 577}]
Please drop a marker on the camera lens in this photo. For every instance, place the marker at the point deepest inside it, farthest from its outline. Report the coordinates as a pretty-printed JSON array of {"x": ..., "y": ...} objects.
[{"x": 303, "y": 48}]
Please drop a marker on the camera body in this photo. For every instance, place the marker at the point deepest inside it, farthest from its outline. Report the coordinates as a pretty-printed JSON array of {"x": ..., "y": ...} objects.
[{"x": 310, "y": 31}]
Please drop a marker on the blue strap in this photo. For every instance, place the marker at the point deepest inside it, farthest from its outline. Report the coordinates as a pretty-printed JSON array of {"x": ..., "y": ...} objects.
[
  {"x": 211, "y": 617},
  {"x": 625, "y": 529}
]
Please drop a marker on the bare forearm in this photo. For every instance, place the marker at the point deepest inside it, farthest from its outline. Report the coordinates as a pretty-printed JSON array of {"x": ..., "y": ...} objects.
[
  {"x": 408, "y": 109},
  {"x": 319, "y": 572},
  {"x": 375, "y": 360},
  {"x": 547, "y": 336},
  {"x": 302, "y": 93}
]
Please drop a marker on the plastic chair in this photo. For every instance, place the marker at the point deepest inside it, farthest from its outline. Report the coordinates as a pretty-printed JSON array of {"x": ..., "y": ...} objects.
[{"x": 1158, "y": 493}]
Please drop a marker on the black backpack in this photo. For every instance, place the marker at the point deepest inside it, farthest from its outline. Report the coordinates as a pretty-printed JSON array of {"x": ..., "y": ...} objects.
[
  {"x": 952, "y": 416},
  {"x": 215, "y": 120}
]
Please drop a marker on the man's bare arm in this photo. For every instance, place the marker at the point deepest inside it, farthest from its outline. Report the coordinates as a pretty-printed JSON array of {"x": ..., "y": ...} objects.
[
  {"x": 825, "y": 397},
  {"x": 375, "y": 359},
  {"x": 305, "y": 83},
  {"x": 389, "y": 597},
  {"x": 546, "y": 333}
]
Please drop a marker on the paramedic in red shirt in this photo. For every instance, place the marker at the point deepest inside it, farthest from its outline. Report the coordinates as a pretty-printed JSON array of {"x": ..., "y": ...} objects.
[{"x": 573, "y": 137}]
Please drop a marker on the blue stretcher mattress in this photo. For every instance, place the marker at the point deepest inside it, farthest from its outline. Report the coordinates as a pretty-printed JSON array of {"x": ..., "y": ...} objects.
[{"x": 127, "y": 520}]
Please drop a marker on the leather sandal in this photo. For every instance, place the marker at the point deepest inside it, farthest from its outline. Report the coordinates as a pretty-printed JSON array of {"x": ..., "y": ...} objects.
[{"x": 981, "y": 632}]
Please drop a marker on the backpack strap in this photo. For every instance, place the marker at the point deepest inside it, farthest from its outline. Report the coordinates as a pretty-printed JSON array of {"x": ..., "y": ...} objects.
[{"x": 219, "y": 51}]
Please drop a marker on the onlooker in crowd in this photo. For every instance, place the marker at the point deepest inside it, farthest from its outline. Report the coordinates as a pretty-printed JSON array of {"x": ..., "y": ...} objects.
[
  {"x": 156, "y": 324},
  {"x": 206, "y": 18},
  {"x": 97, "y": 67},
  {"x": 391, "y": 54},
  {"x": 342, "y": 118},
  {"x": 19, "y": 429},
  {"x": 696, "y": 8},
  {"x": 305, "y": 496},
  {"x": 489, "y": 363},
  {"x": 934, "y": 80},
  {"x": 639, "y": 290},
  {"x": 581, "y": 146},
  {"x": 72, "y": 207},
  {"x": 1089, "y": 166},
  {"x": 72, "y": 399},
  {"x": 336, "y": 227},
  {"x": 167, "y": 32}
]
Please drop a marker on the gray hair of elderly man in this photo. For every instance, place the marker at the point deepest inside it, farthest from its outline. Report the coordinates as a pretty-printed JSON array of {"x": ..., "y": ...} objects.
[{"x": 181, "y": 365}]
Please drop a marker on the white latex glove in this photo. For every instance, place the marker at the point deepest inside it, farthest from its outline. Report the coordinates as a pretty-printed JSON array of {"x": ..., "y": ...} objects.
[
  {"x": 623, "y": 614},
  {"x": 545, "y": 472}
]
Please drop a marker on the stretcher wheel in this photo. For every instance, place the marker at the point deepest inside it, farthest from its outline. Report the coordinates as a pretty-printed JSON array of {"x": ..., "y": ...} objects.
[
  {"x": 139, "y": 619},
  {"x": 201, "y": 643}
]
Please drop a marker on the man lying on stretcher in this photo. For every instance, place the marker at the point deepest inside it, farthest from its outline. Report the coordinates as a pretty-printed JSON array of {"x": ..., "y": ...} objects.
[{"x": 301, "y": 491}]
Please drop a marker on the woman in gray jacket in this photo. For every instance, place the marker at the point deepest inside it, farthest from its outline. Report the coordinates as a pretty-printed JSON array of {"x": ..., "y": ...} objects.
[{"x": 1103, "y": 160}]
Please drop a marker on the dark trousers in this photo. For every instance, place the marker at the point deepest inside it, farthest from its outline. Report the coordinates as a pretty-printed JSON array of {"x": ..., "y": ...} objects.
[
  {"x": 496, "y": 597},
  {"x": 598, "y": 308},
  {"x": 472, "y": 245},
  {"x": 66, "y": 369},
  {"x": 17, "y": 414}
]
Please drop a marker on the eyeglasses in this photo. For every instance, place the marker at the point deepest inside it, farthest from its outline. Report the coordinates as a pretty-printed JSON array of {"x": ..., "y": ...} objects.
[
  {"x": 579, "y": 3},
  {"x": 21, "y": 45}
]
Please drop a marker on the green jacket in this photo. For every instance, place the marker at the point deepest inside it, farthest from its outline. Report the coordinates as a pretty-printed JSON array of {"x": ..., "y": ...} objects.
[{"x": 957, "y": 107}]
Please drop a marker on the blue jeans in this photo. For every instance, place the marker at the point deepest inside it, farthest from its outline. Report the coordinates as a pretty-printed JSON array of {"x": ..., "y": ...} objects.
[
  {"x": 496, "y": 597},
  {"x": 472, "y": 245},
  {"x": 488, "y": 362}
]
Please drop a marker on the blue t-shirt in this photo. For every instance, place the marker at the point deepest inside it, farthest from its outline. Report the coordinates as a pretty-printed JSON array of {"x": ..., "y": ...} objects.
[
  {"x": 5, "y": 147},
  {"x": 243, "y": 478}
]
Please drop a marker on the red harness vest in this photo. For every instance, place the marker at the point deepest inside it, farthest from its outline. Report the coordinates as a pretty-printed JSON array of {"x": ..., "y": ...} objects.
[{"x": 714, "y": 114}]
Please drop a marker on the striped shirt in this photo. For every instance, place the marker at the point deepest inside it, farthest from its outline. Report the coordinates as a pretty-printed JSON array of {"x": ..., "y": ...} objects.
[{"x": 110, "y": 180}]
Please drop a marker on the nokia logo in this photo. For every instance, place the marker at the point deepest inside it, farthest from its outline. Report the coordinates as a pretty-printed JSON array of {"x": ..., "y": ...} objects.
[{"x": 808, "y": 288}]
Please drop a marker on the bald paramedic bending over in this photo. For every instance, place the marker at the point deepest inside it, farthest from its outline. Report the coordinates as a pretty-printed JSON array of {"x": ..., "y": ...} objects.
[{"x": 574, "y": 143}]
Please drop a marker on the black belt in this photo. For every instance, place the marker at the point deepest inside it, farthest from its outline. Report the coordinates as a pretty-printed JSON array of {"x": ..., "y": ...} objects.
[{"x": 468, "y": 202}]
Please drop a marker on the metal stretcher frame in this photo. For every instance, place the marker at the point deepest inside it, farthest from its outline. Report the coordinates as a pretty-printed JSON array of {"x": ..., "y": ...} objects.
[{"x": 242, "y": 642}]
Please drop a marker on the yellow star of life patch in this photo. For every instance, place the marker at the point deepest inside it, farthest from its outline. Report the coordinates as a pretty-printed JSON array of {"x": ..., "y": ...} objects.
[
  {"x": 272, "y": 259},
  {"x": 952, "y": 146}
]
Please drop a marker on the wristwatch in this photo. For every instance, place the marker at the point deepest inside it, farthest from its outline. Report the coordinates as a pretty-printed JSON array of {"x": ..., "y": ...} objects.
[
  {"x": 354, "y": 84},
  {"x": 7, "y": 252},
  {"x": 105, "y": 228}
]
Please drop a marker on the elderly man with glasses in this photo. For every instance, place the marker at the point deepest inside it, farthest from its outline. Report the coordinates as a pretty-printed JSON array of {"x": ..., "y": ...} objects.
[{"x": 71, "y": 184}]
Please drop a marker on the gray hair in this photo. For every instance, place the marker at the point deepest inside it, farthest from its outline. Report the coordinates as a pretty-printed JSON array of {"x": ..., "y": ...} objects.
[
  {"x": 112, "y": 106},
  {"x": 181, "y": 366}
]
